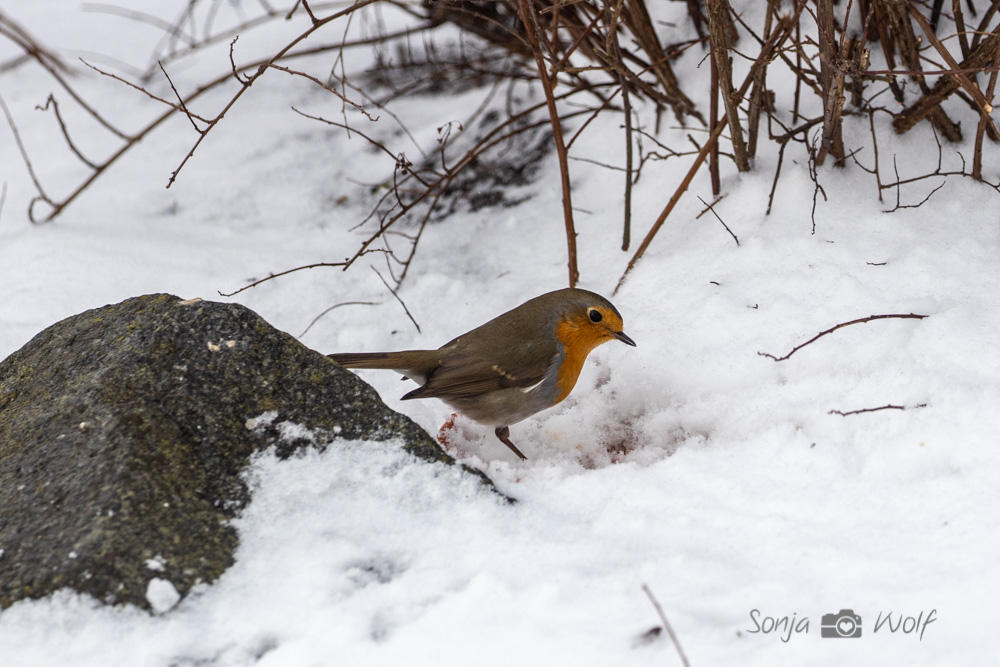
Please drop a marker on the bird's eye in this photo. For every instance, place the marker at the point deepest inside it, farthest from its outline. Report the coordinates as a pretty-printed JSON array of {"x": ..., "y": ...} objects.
[{"x": 595, "y": 316}]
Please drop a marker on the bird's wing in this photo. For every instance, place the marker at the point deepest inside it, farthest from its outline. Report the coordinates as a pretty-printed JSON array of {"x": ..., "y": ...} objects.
[{"x": 464, "y": 374}]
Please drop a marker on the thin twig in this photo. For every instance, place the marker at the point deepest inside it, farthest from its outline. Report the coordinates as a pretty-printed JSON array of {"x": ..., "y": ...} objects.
[
  {"x": 334, "y": 307},
  {"x": 923, "y": 201},
  {"x": 711, "y": 207},
  {"x": 627, "y": 224},
  {"x": 666, "y": 624},
  {"x": 528, "y": 19},
  {"x": 878, "y": 174},
  {"x": 51, "y": 102},
  {"x": 400, "y": 158},
  {"x": 884, "y": 407},
  {"x": 397, "y": 297},
  {"x": 24, "y": 154},
  {"x": 173, "y": 105},
  {"x": 777, "y": 174},
  {"x": 180, "y": 100},
  {"x": 818, "y": 189},
  {"x": 327, "y": 88},
  {"x": 281, "y": 273},
  {"x": 862, "y": 320}
]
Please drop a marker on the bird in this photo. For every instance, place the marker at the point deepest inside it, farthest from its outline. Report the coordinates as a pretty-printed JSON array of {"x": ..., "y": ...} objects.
[{"x": 517, "y": 364}]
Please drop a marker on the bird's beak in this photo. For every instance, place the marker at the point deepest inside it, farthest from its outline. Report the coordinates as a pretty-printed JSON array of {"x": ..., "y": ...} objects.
[{"x": 620, "y": 335}]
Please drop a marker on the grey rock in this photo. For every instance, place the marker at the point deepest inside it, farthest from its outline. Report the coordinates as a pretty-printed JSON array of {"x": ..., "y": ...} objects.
[{"x": 124, "y": 431}]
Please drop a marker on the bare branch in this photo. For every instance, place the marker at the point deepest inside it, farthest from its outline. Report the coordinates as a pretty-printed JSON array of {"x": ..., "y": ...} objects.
[
  {"x": 884, "y": 407},
  {"x": 326, "y": 88},
  {"x": 334, "y": 307},
  {"x": 528, "y": 19},
  {"x": 666, "y": 624},
  {"x": 24, "y": 155},
  {"x": 862, "y": 320},
  {"x": 173, "y": 105},
  {"x": 711, "y": 207},
  {"x": 397, "y": 297},
  {"x": 720, "y": 27},
  {"x": 281, "y": 273}
]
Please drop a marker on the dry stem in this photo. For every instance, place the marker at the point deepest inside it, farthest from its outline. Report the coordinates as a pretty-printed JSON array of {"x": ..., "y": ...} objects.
[{"x": 861, "y": 320}]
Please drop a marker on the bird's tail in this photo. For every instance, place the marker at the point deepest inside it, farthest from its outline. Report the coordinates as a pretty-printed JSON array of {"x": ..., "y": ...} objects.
[
  {"x": 414, "y": 363},
  {"x": 366, "y": 359}
]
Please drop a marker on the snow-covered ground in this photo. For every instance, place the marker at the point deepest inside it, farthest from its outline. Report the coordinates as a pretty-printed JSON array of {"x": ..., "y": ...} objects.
[{"x": 741, "y": 501}]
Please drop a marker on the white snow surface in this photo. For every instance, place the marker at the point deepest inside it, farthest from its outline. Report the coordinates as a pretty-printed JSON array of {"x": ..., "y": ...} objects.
[
  {"x": 739, "y": 492},
  {"x": 161, "y": 595}
]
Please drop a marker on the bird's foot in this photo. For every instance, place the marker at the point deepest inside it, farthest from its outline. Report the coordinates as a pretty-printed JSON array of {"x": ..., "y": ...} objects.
[
  {"x": 503, "y": 433},
  {"x": 445, "y": 431}
]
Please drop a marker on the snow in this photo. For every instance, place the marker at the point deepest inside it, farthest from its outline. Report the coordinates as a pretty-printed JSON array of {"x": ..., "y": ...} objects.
[
  {"x": 740, "y": 490},
  {"x": 162, "y": 595},
  {"x": 156, "y": 564}
]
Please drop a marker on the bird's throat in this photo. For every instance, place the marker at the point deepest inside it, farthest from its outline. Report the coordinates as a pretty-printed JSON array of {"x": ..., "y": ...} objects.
[{"x": 577, "y": 343}]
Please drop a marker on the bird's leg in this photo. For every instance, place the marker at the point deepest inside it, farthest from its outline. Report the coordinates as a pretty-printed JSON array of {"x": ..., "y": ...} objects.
[{"x": 503, "y": 432}]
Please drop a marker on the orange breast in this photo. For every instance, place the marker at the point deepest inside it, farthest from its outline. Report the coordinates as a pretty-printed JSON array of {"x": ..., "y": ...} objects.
[{"x": 577, "y": 343}]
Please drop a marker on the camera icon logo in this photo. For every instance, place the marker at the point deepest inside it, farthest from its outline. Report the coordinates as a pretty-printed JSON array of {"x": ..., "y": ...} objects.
[{"x": 845, "y": 624}]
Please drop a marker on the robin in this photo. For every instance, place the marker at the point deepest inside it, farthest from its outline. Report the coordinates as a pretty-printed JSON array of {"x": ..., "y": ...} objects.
[{"x": 515, "y": 365}]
